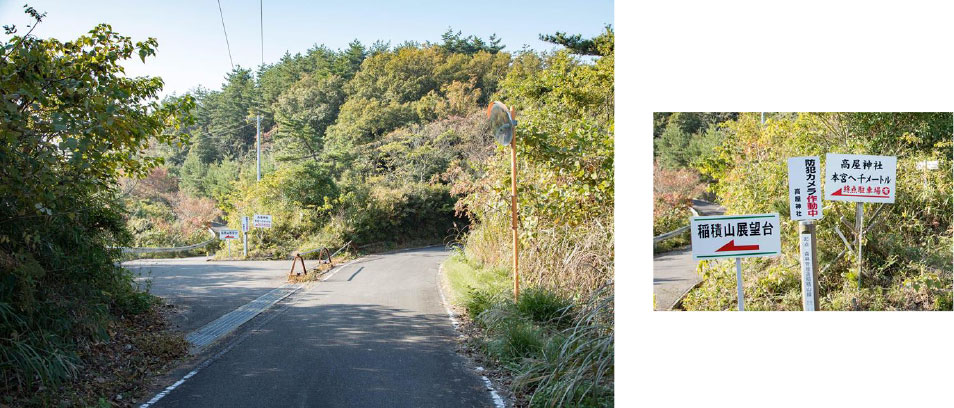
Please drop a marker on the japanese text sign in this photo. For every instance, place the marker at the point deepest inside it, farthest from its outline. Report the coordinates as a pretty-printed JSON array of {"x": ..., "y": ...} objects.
[
  {"x": 804, "y": 188},
  {"x": 735, "y": 236},
  {"x": 244, "y": 224},
  {"x": 228, "y": 234},
  {"x": 858, "y": 177},
  {"x": 262, "y": 221}
]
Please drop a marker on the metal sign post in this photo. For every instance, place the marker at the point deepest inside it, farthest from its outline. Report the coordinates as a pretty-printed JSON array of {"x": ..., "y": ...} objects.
[
  {"x": 859, "y": 224},
  {"x": 736, "y": 236},
  {"x": 738, "y": 283},
  {"x": 863, "y": 179},
  {"x": 503, "y": 125},
  {"x": 806, "y": 207},
  {"x": 245, "y": 236}
]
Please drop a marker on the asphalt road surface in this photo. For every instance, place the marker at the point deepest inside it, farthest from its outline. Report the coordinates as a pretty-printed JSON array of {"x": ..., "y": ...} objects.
[
  {"x": 375, "y": 334},
  {"x": 202, "y": 291},
  {"x": 674, "y": 272}
]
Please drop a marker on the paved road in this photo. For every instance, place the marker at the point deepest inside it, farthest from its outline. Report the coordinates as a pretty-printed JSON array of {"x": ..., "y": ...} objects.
[
  {"x": 202, "y": 291},
  {"x": 674, "y": 272},
  {"x": 375, "y": 334}
]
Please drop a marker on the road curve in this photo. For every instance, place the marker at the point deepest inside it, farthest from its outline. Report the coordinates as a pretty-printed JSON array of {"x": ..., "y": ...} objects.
[
  {"x": 374, "y": 334},
  {"x": 674, "y": 272}
]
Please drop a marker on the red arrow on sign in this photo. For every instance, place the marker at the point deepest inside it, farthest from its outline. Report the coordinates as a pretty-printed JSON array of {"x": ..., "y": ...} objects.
[
  {"x": 732, "y": 247},
  {"x": 840, "y": 193}
]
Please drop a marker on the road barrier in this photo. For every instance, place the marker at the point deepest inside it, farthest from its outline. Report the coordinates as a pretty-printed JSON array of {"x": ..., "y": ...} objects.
[{"x": 324, "y": 257}]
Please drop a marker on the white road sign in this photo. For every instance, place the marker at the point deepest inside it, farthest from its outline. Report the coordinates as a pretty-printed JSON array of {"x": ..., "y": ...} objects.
[
  {"x": 244, "y": 224},
  {"x": 930, "y": 165},
  {"x": 804, "y": 186},
  {"x": 262, "y": 221},
  {"x": 735, "y": 236},
  {"x": 860, "y": 177},
  {"x": 228, "y": 234},
  {"x": 808, "y": 273}
]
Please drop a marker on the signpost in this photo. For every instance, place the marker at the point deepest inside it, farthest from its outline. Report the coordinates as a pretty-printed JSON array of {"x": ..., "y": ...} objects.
[
  {"x": 736, "y": 236},
  {"x": 245, "y": 236},
  {"x": 863, "y": 179},
  {"x": 228, "y": 235},
  {"x": 503, "y": 125},
  {"x": 806, "y": 207},
  {"x": 262, "y": 221}
]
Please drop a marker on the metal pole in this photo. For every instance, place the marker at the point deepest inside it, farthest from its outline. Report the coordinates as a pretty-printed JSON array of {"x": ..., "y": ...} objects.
[
  {"x": 738, "y": 283},
  {"x": 513, "y": 212},
  {"x": 244, "y": 244},
  {"x": 859, "y": 223},
  {"x": 228, "y": 244},
  {"x": 809, "y": 261},
  {"x": 258, "y": 147}
]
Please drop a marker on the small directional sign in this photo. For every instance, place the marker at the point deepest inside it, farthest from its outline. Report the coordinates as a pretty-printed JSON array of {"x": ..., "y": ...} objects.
[
  {"x": 228, "y": 234},
  {"x": 860, "y": 178},
  {"x": 735, "y": 236}
]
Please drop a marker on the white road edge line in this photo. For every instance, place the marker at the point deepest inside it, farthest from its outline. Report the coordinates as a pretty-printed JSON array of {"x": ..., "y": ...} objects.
[
  {"x": 207, "y": 362},
  {"x": 450, "y": 314}
]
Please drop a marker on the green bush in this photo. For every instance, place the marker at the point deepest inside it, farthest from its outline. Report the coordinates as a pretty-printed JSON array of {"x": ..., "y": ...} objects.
[
  {"x": 515, "y": 341},
  {"x": 478, "y": 301},
  {"x": 543, "y": 306}
]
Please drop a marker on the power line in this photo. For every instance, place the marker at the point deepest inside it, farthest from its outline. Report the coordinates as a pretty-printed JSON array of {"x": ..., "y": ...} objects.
[{"x": 227, "y": 46}]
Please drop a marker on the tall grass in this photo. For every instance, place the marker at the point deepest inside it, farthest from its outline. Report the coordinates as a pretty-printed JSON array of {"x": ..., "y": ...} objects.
[
  {"x": 577, "y": 368},
  {"x": 557, "y": 339},
  {"x": 570, "y": 260}
]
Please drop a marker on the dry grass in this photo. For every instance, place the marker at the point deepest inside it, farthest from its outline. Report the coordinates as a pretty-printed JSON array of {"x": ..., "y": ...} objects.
[{"x": 573, "y": 261}]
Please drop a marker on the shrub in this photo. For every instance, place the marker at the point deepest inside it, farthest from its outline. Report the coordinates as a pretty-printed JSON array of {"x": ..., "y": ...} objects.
[
  {"x": 543, "y": 306},
  {"x": 515, "y": 341}
]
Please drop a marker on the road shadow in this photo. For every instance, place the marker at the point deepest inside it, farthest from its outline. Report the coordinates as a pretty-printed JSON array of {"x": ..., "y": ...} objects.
[{"x": 341, "y": 355}]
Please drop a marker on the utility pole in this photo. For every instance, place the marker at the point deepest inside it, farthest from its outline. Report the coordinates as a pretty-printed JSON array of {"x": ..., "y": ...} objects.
[
  {"x": 258, "y": 147},
  {"x": 513, "y": 212}
]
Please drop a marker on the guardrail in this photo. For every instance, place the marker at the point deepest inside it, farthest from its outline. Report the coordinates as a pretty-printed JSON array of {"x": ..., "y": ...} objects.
[
  {"x": 150, "y": 250},
  {"x": 662, "y": 237}
]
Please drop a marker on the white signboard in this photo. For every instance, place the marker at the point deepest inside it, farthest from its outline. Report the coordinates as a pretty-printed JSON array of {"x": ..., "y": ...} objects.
[
  {"x": 930, "y": 165},
  {"x": 228, "y": 234},
  {"x": 804, "y": 188},
  {"x": 808, "y": 273},
  {"x": 735, "y": 236},
  {"x": 262, "y": 221},
  {"x": 244, "y": 224},
  {"x": 860, "y": 177}
]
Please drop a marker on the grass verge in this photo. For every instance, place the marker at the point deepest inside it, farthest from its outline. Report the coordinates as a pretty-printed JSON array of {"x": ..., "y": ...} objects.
[
  {"x": 113, "y": 372},
  {"x": 552, "y": 351}
]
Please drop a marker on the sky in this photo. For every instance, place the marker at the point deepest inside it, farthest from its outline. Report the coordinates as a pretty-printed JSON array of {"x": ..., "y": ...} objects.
[{"x": 192, "y": 47}]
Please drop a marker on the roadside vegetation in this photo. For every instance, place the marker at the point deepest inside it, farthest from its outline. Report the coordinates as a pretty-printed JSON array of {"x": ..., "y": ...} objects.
[
  {"x": 381, "y": 145},
  {"x": 555, "y": 343},
  {"x": 74, "y": 328},
  {"x": 907, "y": 249}
]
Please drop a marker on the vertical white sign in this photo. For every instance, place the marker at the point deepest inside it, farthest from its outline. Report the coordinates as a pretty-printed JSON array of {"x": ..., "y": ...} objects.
[
  {"x": 808, "y": 273},
  {"x": 860, "y": 178},
  {"x": 804, "y": 186},
  {"x": 244, "y": 223}
]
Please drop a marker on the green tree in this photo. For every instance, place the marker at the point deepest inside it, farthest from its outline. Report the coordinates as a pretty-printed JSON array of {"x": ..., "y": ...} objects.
[
  {"x": 305, "y": 111},
  {"x": 71, "y": 123}
]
